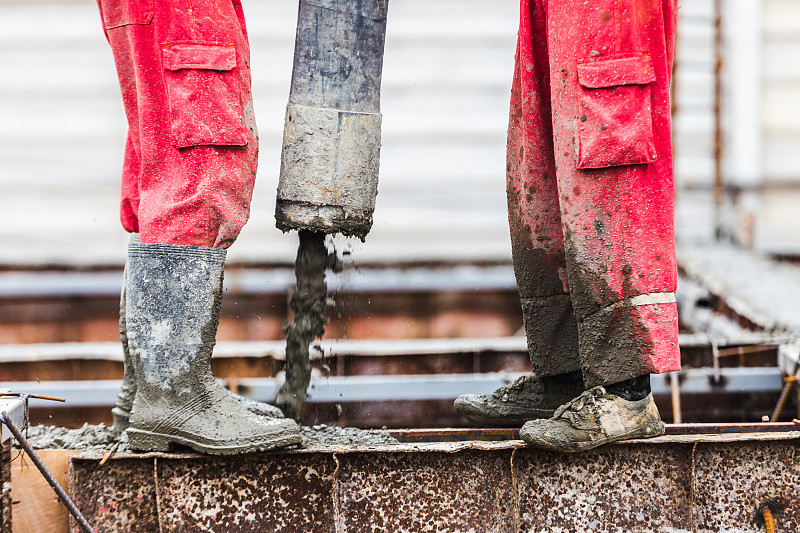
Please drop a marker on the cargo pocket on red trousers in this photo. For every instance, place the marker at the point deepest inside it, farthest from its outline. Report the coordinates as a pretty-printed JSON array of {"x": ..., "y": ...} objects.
[
  {"x": 615, "y": 124},
  {"x": 118, "y": 13},
  {"x": 204, "y": 94}
]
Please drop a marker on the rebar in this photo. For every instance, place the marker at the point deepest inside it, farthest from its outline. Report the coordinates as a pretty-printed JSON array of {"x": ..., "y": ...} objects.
[{"x": 787, "y": 387}]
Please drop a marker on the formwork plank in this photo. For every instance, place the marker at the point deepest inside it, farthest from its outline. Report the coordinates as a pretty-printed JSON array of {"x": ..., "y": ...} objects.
[
  {"x": 426, "y": 492},
  {"x": 733, "y": 480},
  {"x": 36, "y": 506},
  {"x": 265, "y": 492},
  {"x": 118, "y": 496},
  {"x": 610, "y": 489}
]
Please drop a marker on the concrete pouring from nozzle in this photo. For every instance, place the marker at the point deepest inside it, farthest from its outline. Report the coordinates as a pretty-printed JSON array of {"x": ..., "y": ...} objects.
[{"x": 329, "y": 160}]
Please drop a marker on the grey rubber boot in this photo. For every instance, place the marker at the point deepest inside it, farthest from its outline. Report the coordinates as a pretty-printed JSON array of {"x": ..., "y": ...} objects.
[
  {"x": 173, "y": 296},
  {"x": 526, "y": 398},
  {"x": 127, "y": 391}
]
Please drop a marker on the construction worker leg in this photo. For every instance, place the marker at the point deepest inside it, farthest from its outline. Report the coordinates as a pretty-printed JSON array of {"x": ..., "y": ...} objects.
[
  {"x": 537, "y": 242},
  {"x": 610, "y": 69},
  {"x": 190, "y": 160},
  {"x": 190, "y": 163},
  {"x": 537, "y": 246}
]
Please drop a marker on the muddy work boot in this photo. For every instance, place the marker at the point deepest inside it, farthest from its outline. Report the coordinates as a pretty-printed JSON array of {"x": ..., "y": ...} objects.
[
  {"x": 173, "y": 296},
  {"x": 527, "y": 398},
  {"x": 592, "y": 419},
  {"x": 127, "y": 391}
]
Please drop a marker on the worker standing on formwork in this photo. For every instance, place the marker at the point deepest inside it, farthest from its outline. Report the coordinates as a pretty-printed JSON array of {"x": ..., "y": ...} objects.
[
  {"x": 590, "y": 205},
  {"x": 188, "y": 175}
]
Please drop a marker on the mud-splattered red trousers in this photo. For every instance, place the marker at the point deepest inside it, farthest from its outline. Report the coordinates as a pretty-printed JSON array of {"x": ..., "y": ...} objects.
[
  {"x": 590, "y": 188},
  {"x": 190, "y": 157}
]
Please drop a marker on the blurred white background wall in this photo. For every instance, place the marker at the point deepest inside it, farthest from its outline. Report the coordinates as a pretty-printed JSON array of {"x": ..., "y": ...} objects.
[{"x": 447, "y": 76}]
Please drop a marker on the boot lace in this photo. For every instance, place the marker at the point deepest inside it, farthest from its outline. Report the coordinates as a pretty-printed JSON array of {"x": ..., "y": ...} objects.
[{"x": 587, "y": 400}]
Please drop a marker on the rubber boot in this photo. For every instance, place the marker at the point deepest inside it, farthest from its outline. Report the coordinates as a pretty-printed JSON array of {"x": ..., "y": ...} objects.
[
  {"x": 127, "y": 391},
  {"x": 173, "y": 297},
  {"x": 527, "y": 398}
]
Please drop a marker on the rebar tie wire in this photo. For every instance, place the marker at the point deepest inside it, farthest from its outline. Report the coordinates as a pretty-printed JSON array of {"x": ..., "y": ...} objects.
[{"x": 51, "y": 480}]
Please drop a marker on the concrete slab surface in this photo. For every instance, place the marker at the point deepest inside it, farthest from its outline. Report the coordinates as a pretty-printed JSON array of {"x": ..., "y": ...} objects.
[{"x": 764, "y": 291}]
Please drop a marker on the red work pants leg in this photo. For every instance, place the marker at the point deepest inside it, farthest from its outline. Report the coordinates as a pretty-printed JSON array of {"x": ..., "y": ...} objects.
[
  {"x": 191, "y": 155},
  {"x": 590, "y": 190}
]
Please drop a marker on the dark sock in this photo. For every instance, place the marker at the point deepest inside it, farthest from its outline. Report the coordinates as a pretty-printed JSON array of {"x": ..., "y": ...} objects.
[
  {"x": 569, "y": 379},
  {"x": 632, "y": 390}
]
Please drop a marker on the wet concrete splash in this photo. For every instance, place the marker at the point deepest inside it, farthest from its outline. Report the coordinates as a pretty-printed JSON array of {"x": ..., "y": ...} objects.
[
  {"x": 99, "y": 438},
  {"x": 93, "y": 438},
  {"x": 308, "y": 305}
]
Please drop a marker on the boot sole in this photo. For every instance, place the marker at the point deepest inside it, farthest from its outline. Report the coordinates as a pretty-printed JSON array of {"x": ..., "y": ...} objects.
[
  {"x": 161, "y": 442},
  {"x": 484, "y": 414},
  {"x": 637, "y": 433}
]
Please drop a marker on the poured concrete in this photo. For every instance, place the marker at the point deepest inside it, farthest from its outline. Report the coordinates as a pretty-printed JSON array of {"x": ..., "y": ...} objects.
[
  {"x": 669, "y": 484},
  {"x": 763, "y": 291}
]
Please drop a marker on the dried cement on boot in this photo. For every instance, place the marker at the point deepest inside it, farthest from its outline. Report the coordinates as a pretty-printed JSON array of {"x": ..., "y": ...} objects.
[
  {"x": 99, "y": 438},
  {"x": 308, "y": 304}
]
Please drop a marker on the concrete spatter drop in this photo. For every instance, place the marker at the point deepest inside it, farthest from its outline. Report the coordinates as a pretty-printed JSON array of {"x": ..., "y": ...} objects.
[{"x": 308, "y": 305}]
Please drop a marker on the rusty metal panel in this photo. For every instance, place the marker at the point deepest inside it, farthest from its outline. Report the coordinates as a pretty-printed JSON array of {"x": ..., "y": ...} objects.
[
  {"x": 253, "y": 493},
  {"x": 676, "y": 483},
  {"x": 610, "y": 489},
  {"x": 117, "y": 497},
  {"x": 434, "y": 491},
  {"x": 733, "y": 480}
]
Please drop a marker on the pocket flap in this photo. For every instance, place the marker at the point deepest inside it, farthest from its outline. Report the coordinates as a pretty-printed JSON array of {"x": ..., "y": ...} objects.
[
  {"x": 617, "y": 71},
  {"x": 198, "y": 56}
]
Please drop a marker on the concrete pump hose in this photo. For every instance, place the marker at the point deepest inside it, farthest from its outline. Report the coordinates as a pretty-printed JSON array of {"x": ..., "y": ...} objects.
[{"x": 332, "y": 135}]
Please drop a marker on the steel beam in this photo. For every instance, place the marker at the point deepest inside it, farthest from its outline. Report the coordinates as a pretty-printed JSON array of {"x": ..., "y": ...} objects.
[
  {"x": 112, "y": 351},
  {"x": 336, "y": 389}
]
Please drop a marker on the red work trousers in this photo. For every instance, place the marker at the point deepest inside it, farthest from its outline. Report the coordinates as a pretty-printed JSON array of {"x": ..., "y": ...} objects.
[
  {"x": 191, "y": 154},
  {"x": 590, "y": 187}
]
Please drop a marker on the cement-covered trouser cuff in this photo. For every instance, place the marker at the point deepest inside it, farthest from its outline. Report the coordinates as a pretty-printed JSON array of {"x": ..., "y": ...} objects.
[
  {"x": 630, "y": 338},
  {"x": 552, "y": 334}
]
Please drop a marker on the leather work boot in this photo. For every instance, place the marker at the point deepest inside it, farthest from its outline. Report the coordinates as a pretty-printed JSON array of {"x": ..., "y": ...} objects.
[
  {"x": 592, "y": 419},
  {"x": 527, "y": 398},
  {"x": 127, "y": 391},
  {"x": 173, "y": 297}
]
